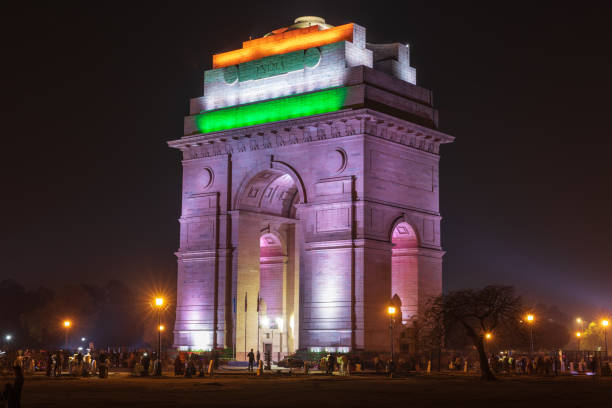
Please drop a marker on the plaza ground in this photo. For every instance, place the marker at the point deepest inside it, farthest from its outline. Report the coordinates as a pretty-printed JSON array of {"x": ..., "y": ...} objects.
[{"x": 242, "y": 390}]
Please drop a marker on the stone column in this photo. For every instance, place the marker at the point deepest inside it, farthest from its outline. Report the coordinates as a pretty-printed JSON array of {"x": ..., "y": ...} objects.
[
  {"x": 373, "y": 293},
  {"x": 326, "y": 275},
  {"x": 198, "y": 273},
  {"x": 429, "y": 263},
  {"x": 245, "y": 276}
]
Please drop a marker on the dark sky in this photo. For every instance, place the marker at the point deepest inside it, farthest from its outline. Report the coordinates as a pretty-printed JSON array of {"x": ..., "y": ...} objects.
[{"x": 91, "y": 95}]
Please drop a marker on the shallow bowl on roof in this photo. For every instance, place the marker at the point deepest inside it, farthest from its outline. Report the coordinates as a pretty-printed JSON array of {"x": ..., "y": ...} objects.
[{"x": 302, "y": 22}]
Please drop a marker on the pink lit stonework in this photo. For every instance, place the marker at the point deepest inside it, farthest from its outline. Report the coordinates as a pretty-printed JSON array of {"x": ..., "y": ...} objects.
[{"x": 326, "y": 218}]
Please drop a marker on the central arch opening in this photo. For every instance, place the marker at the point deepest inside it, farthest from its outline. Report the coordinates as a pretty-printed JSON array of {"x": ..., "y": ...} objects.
[{"x": 268, "y": 201}]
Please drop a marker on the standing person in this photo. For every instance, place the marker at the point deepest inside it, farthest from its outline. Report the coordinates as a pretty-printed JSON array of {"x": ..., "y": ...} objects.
[
  {"x": 58, "y": 363},
  {"x": 201, "y": 366},
  {"x": 79, "y": 370},
  {"x": 177, "y": 365},
  {"x": 103, "y": 365},
  {"x": 258, "y": 358},
  {"x": 376, "y": 363},
  {"x": 331, "y": 363},
  {"x": 146, "y": 362},
  {"x": 188, "y": 366},
  {"x": 341, "y": 364},
  {"x": 49, "y": 363},
  {"x": 12, "y": 392},
  {"x": 251, "y": 357}
]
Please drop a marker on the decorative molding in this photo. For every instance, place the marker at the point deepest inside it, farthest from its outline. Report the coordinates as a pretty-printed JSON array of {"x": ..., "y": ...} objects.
[{"x": 311, "y": 129}]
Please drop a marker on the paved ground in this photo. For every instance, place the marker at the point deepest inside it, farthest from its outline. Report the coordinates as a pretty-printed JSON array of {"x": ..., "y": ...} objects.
[{"x": 236, "y": 390}]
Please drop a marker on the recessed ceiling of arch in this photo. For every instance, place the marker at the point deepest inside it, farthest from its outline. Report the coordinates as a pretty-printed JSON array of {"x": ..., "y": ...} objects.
[
  {"x": 270, "y": 192},
  {"x": 404, "y": 236},
  {"x": 270, "y": 245}
]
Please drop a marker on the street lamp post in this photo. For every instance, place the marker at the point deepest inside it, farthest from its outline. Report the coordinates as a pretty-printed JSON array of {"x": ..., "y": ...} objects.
[
  {"x": 391, "y": 312},
  {"x": 530, "y": 319},
  {"x": 279, "y": 323},
  {"x": 159, "y": 303},
  {"x": 67, "y": 324},
  {"x": 605, "y": 324},
  {"x": 488, "y": 337},
  {"x": 578, "y": 334}
]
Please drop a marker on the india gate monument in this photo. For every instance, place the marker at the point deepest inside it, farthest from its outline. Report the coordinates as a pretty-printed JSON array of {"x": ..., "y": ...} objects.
[{"x": 310, "y": 197}]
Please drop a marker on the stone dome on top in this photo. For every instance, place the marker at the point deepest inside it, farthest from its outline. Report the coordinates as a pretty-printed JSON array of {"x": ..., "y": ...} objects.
[{"x": 302, "y": 22}]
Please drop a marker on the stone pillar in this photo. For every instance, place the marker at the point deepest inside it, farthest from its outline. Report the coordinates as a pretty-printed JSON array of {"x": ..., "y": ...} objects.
[
  {"x": 292, "y": 286},
  {"x": 245, "y": 275},
  {"x": 372, "y": 293},
  {"x": 326, "y": 275},
  {"x": 429, "y": 263},
  {"x": 195, "y": 310},
  {"x": 197, "y": 307}
]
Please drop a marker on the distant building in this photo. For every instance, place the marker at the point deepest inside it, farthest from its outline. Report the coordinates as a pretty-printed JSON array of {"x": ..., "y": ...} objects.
[{"x": 310, "y": 179}]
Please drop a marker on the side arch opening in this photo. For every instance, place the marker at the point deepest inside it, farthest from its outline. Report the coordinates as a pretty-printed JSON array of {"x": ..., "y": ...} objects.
[{"x": 404, "y": 269}]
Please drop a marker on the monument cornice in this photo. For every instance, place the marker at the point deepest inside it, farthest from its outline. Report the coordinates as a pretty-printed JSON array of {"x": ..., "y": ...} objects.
[
  {"x": 311, "y": 129},
  {"x": 435, "y": 215}
]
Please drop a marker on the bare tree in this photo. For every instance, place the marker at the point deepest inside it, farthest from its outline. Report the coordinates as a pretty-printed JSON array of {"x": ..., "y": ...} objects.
[{"x": 493, "y": 309}]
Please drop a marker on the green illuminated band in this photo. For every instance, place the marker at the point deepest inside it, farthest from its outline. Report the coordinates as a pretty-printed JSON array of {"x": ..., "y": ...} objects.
[{"x": 274, "y": 110}]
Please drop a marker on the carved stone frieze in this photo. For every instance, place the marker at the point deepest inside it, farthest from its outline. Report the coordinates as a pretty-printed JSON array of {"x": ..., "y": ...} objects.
[{"x": 312, "y": 129}]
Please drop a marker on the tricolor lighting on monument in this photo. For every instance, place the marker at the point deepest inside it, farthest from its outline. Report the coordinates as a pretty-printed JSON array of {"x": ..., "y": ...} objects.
[
  {"x": 283, "y": 43},
  {"x": 310, "y": 196},
  {"x": 272, "y": 111}
]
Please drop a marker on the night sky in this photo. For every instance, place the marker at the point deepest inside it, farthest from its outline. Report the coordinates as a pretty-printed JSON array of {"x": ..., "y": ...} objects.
[{"x": 91, "y": 191}]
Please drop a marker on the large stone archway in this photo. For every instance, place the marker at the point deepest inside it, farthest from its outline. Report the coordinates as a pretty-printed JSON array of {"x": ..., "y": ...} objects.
[{"x": 296, "y": 167}]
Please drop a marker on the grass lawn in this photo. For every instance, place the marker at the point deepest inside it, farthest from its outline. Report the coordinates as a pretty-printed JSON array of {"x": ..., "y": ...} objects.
[{"x": 241, "y": 390}]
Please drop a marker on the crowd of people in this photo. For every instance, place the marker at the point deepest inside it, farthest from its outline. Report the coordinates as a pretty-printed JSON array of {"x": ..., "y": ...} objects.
[
  {"x": 539, "y": 364},
  {"x": 143, "y": 363},
  {"x": 80, "y": 362}
]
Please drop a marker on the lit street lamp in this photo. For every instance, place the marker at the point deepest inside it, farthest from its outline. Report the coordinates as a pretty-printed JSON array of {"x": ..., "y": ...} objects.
[
  {"x": 578, "y": 334},
  {"x": 159, "y": 303},
  {"x": 488, "y": 336},
  {"x": 391, "y": 312},
  {"x": 530, "y": 319},
  {"x": 67, "y": 325}
]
